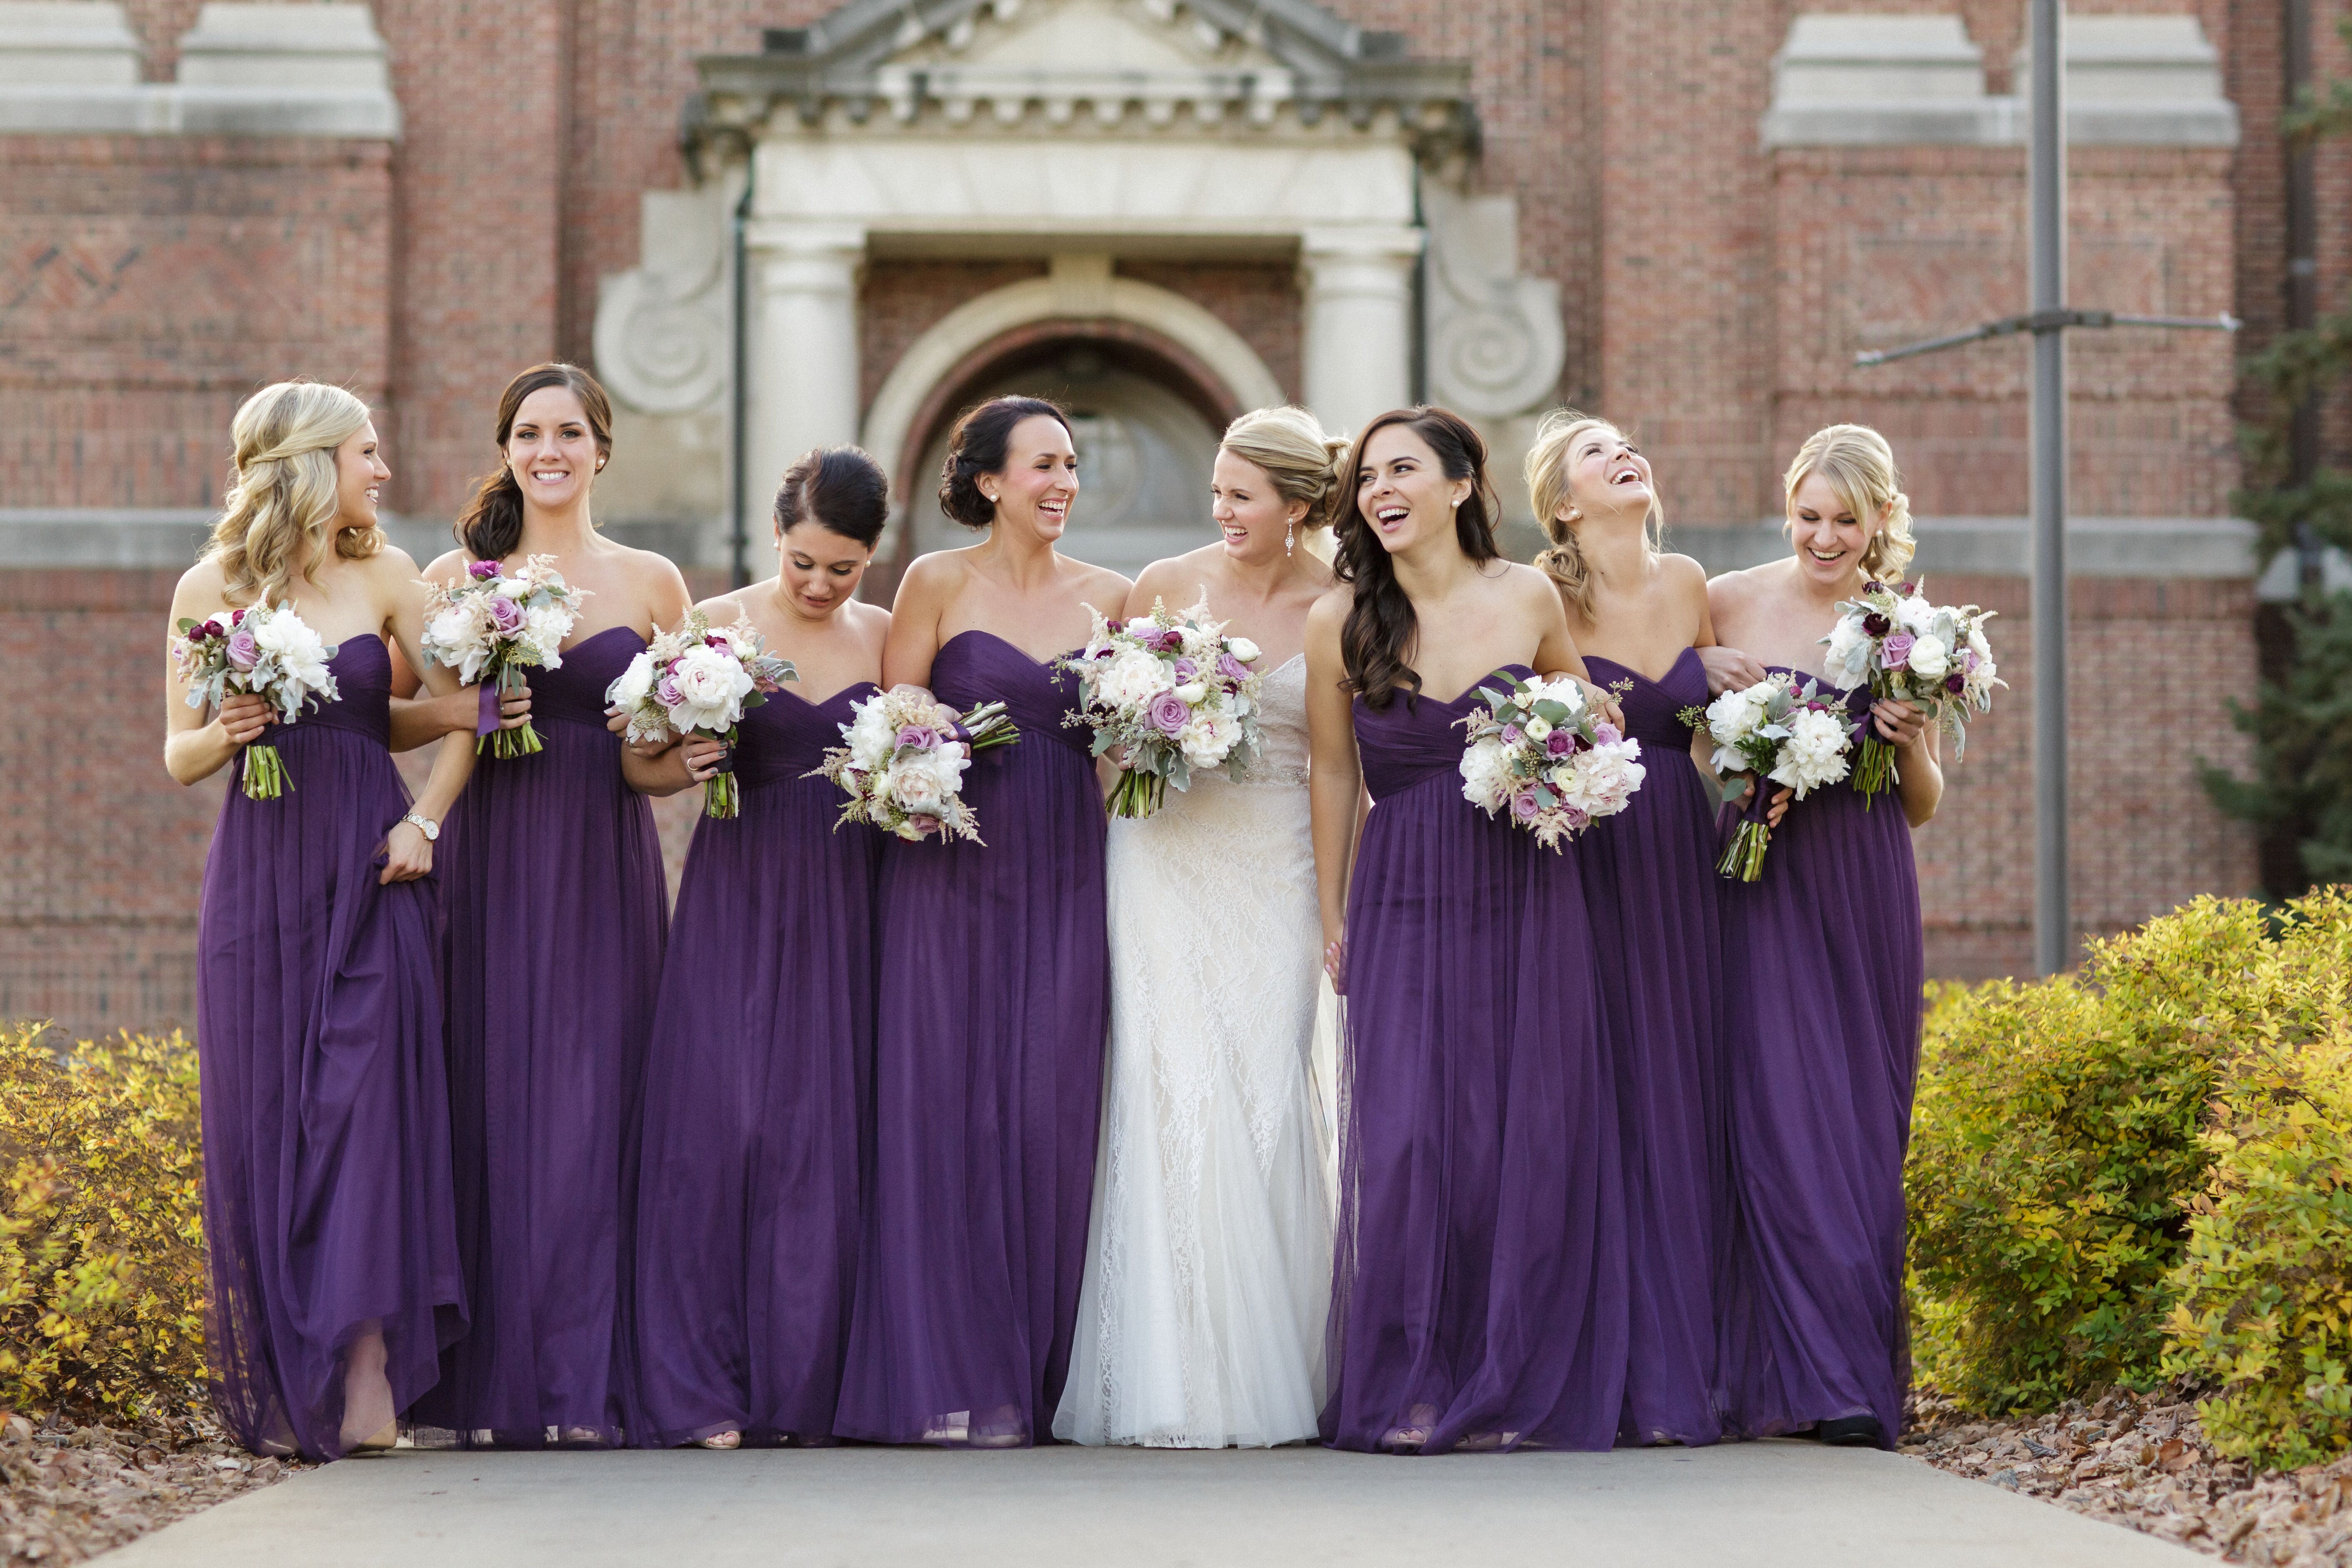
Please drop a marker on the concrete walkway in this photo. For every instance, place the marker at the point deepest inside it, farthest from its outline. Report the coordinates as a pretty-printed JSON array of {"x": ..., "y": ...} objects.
[{"x": 1765, "y": 1504}]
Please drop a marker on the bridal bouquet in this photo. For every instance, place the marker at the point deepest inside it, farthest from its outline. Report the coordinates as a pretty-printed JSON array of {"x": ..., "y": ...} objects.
[
  {"x": 697, "y": 680},
  {"x": 490, "y": 628},
  {"x": 903, "y": 767},
  {"x": 1778, "y": 731},
  {"x": 1173, "y": 694},
  {"x": 266, "y": 651},
  {"x": 1539, "y": 751},
  {"x": 1932, "y": 654}
]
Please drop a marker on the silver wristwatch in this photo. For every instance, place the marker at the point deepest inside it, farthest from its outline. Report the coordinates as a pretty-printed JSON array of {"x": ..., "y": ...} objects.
[{"x": 426, "y": 825}]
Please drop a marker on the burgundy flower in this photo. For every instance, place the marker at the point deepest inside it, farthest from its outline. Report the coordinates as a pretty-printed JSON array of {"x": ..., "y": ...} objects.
[
  {"x": 1956, "y": 682},
  {"x": 235, "y": 617},
  {"x": 1559, "y": 744},
  {"x": 1876, "y": 625}
]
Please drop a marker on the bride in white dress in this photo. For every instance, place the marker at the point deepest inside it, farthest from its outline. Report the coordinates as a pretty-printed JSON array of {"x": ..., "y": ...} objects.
[{"x": 1209, "y": 1263}]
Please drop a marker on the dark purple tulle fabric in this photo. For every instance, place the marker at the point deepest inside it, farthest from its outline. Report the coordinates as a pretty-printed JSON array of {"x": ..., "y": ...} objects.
[
  {"x": 1823, "y": 966},
  {"x": 556, "y": 906},
  {"x": 1479, "y": 1287},
  {"x": 756, "y": 1098},
  {"x": 1650, "y": 886},
  {"x": 326, "y": 1195},
  {"x": 994, "y": 1006}
]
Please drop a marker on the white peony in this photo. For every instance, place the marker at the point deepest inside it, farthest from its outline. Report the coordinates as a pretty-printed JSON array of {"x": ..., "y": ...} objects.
[
  {"x": 1814, "y": 752},
  {"x": 870, "y": 733},
  {"x": 1731, "y": 717},
  {"x": 299, "y": 652},
  {"x": 1486, "y": 774},
  {"x": 547, "y": 626},
  {"x": 1914, "y": 613},
  {"x": 1134, "y": 678},
  {"x": 711, "y": 687},
  {"x": 632, "y": 687},
  {"x": 1604, "y": 778},
  {"x": 1848, "y": 663},
  {"x": 1929, "y": 658}
]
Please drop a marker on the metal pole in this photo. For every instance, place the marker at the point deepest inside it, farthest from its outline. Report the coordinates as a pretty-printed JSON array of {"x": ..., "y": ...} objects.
[{"x": 2053, "y": 937}]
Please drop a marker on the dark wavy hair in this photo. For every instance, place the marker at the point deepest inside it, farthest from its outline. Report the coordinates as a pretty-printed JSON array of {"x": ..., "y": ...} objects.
[
  {"x": 838, "y": 488},
  {"x": 491, "y": 525},
  {"x": 977, "y": 447},
  {"x": 1380, "y": 623}
]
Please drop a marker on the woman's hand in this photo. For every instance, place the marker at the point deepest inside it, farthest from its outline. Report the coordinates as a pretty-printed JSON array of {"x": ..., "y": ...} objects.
[
  {"x": 243, "y": 718},
  {"x": 1603, "y": 703},
  {"x": 1780, "y": 807},
  {"x": 1899, "y": 722},
  {"x": 514, "y": 708},
  {"x": 1335, "y": 965},
  {"x": 1728, "y": 670},
  {"x": 702, "y": 756},
  {"x": 617, "y": 722},
  {"x": 407, "y": 854}
]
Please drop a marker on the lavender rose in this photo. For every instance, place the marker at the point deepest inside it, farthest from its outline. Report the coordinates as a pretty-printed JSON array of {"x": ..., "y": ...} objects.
[
  {"x": 243, "y": 649},
  {"x": 1186, "y": 669},
  {"x": 1604, "y": 733},
  {"x": 1896, "y": 651},
  {"x": 1167, "y": 713},
  {"x": 1524, "y": 805},
  {"x": 922, "y": 737},
  {"x": 506, "y": 616},
  {"x": 1232, "y": 668},
  {"x": 666, "y": 689}
]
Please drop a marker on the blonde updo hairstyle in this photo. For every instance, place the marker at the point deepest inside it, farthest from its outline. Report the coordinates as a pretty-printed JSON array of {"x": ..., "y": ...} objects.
[
  {"x": 281, "y": 509},
  {"x": 1548, "y": 492},
  {"x": 1305, "y": 464},
  {"x": 1860, "y": 468}
]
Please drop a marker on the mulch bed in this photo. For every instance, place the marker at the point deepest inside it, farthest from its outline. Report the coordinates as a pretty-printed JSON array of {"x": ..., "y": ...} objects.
[
  {"x": 2143, "y": 1462},
  {"x": 70, "y": 1491}
]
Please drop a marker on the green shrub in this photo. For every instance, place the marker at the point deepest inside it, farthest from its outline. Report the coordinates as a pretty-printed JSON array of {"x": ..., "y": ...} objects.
[{"x": 101, "y": 1223}]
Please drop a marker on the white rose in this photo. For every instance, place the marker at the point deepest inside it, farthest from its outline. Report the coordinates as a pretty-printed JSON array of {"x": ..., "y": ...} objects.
[
  {"x": 710, "y": 689},
  {"x": 511, "y": 587},
  {"x": 1536, "y": 728},
  {"x": 1190, "y": 694},
  {"x": 1242, "y": 649},
  {"x": 632, "y": 685},
  {"x": 1929, "y": 658},
  {"x": 1977, "y": 644}
]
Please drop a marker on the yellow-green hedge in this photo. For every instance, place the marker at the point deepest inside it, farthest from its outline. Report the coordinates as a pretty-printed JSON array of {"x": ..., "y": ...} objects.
[
  {"x": 101, "y": 1223},
  {"x": 2137, "y": 1172}
]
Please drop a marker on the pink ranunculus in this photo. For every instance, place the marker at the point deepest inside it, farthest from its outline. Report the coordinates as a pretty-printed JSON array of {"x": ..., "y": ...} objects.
[
  {"x": 1185, "y": 668},
  {"x": 922, "y": 737},
  {"x": 924, "y": 822},
  {"x": 482, "y": 569},
  {"x": 1524, "y": 805},
  {"x": 1232, "y": 668},
  {"x": 1575, "y": 819},
  {"x": 507, "y": 615},
  {"x": 1896, "y": 651},
  {"x": 666, "y": 689},
  {"x": 243, "y": 649},
  {"x": 1559, "y": 743},
  {"x": 1604, "y": 733},
  {"x": 1167, "y": 713}
]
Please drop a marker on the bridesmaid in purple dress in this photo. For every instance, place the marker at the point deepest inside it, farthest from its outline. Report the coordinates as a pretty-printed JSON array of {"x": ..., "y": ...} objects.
[
  {"x": 326, "y": 1200},
  {"x": 995, "y": 1001},
  {"x": 1478, "y": 1293},
  {"x": 555, "y": 916},
  {"x": 1822, "y": 964},
  {"x": 756, "y": 1079},
  {"x": 1639, "y": 617}
]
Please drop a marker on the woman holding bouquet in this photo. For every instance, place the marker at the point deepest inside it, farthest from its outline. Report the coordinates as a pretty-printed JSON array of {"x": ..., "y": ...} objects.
[
  {"x": 555, "y": 921},
  {"x": 1639, "y": 617},
  {"x": 989, "y": 1027},
  {"x": 328, "y": 1216},
  {"x": 756, "y": 1081},
  {"x": 1479, "y": 1288},
  {"x": 1822, "y": 965},
  {"x": 1209, "y": 1268}
]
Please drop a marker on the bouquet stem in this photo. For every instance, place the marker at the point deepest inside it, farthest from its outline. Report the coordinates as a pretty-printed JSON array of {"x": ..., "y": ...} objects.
[
  {"x": 1874, "y": 774},
  {"x": 985, "y": 726},
  {"x": 1138, "y": 794},
  {"x": 265, "y": 774},
  {"x": 720, "y": 798},
  {"x": 1744, "y": 860},
  {"x": 520, "y": 742}
]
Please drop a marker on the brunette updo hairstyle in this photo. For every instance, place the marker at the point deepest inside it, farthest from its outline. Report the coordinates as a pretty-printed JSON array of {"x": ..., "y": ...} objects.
[
  {"x": 839, "y": 487},
  {"x": 491, "y": 525},
  {"x": 977, "y": 447},
  {"x": 1380, "y": 625}
]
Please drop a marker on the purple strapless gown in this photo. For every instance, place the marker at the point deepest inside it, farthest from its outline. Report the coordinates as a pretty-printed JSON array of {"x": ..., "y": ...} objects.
[
  {"x": 1650, "y": 886},
  {"x": 556, "y": 915},
  {"x": 1822, "y": 962},
  {"x": 989, "y": 1040},
  {"x": 755, "y": 1102},
  {"x": 326, "y": 1195},
  {"x": 1479, "y": 1289}
]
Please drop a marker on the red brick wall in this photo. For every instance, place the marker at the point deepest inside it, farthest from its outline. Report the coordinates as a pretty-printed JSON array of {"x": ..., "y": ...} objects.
[
  {"x": 1258, "y": 301},
  {"x": 898, "y": 302}
]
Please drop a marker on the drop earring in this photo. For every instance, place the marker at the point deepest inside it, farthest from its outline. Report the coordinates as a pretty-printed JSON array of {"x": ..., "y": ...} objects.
[{"x": 1289, "y": 537}]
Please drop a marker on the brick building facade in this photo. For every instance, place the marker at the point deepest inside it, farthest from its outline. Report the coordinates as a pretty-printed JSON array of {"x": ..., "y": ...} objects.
[{"x": 1685, "y": 214}]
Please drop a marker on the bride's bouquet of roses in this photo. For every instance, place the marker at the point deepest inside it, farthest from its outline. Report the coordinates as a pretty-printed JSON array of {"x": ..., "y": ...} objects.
[
  {"x": 489, "y": 627},
  {"x": 1776, "y": 730},
  {"x": 1932, "y": 654},
  {"x": 697, "y": 680},
  {"x": 1539, "y": 751},
  {"x": 1171, "y": 693},
  {"x": 903, "y": 766},
  {"x": 266, "y": 652}
]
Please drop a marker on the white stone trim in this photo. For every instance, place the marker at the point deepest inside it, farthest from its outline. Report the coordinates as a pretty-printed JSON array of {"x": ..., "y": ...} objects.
[
  {"x": 2142, "y": 547},
  {"x": 1079, "y": 288}
]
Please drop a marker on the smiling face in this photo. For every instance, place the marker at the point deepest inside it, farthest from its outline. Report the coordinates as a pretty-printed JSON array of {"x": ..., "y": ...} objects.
[
  {"x": 1403, "y": 491},
  {"x": 1033, "y": 490},
  {"x": 552, "y": 448},
  {"x": 360, "y": 476},
  {"x": 1252, "y": 515},
  {"x": 818, "y": 569},
  {"x": 1830, "y": 539},
  {"x": 1607, "y": 473}
]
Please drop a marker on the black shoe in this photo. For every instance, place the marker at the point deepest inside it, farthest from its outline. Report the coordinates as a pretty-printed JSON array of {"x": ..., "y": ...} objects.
[{"x": 1849, "y": 1432}]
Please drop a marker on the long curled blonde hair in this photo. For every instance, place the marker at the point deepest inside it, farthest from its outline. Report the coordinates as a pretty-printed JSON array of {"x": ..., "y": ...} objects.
[
  {"x": 1548, "y": 492},
  {"x": 1304, "y": 463},
  {"x": 281, "y": 509},
  {"x": 1860, "y": 468}
]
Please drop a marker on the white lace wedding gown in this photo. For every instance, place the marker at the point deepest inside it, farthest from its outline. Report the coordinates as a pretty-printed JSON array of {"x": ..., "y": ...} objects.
[{"x": 1209, "y": 1264}]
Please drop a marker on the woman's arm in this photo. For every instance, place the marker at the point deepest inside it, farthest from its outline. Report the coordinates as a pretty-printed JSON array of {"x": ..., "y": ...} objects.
[
  {"x": 924, "y": 594},
  {"x": 1335, "y": 777},
  {"x": 408, "y": 854},
  {"x": 1919, "y": 769},
  {"x": 1556, "y": 650}
]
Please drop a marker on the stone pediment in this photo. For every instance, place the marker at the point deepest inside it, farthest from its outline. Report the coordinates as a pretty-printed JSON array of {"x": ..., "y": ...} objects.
[{"x": 1091, "y": 62}]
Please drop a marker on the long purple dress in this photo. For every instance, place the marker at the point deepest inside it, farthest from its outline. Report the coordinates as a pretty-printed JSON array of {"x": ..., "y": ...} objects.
[
  {"x": 1650, "y": 886},
  {"x": 556, "y": 915},
  {"x": 1479, "y": 1287},
  {"x": 989, "y": 1039},
  {"x": 1822, "y": 962},
  {"x": 756, "y": 1094},
  {"x": 327, "y": 1199}
]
